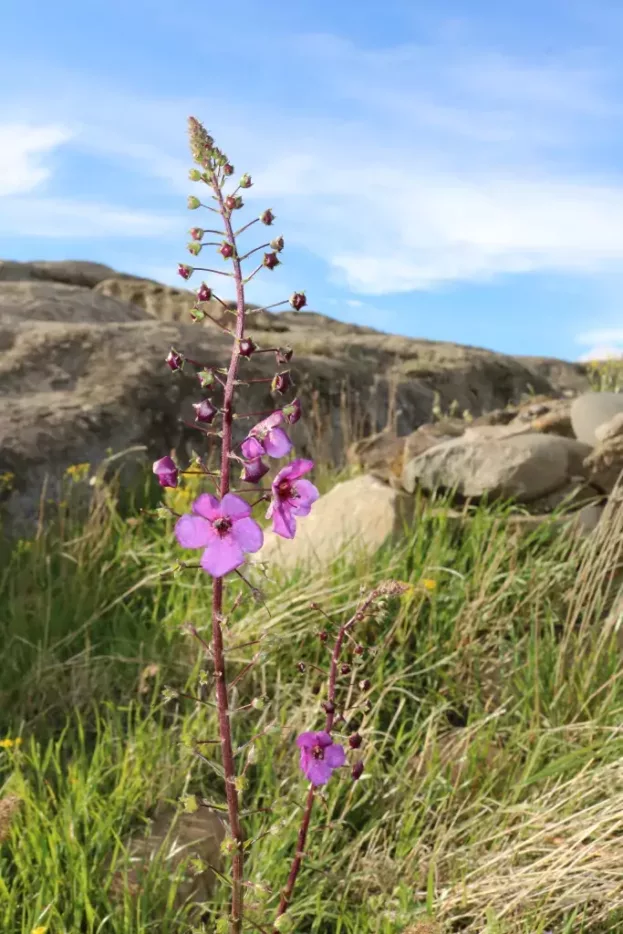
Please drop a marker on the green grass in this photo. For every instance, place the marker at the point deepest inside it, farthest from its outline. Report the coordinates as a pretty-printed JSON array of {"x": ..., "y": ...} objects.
[{"x": 493, "y": 791}]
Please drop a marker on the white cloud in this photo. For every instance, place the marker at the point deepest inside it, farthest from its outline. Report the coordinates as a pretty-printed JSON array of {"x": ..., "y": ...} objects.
[
  {"x": 602, "y": 353},
  {"x": 56, "y": 218},
  {"x": 22, "y": 151}
]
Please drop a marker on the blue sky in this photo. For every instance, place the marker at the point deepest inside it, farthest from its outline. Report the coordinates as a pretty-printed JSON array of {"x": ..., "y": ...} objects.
[{"x": 448, "y": 170}]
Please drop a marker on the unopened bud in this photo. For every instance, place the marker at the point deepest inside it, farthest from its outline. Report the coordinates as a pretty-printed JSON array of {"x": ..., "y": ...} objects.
[
  {"x": 359, "y": 650},
  {"x": 196, "y": 233},
  {"x": 228, "y": 169},
  {"x": 284, "y": 355},
  {"x": 345, "y": 669},
  {"x": 355, "y": 741},
  {"x": 175, "y": 360},
  {"x": 228, "y": 845},
  {"x": 194, "y": 248},
  {"x": 189, "y": 803},
  {"x": 246, "y": 347},
  {"x": 185, "y": 271},
  {"x": 233, "y": 202},
  {"x": 301, "y": 666},
  {"x": 258, "y": 703},
  {"x": 357, "y": 771},
  {"x": 194, "y": 175},
  {"x": 323, "y": 636},
  {"x": 365, "y": 685},
  {"x": 226, "y": 250},
  {"x": 168, "y": 694},
  {"x": 205, "y": 411},
  {"x": 281, "y": 382},
  {"x": 254, "y": 470},
  {"x": 267, "y": 217},
  {"x": 277, "y": 244},
  {"x": 298, "y": 300},
  {"x": 292, "y": 412},
  {"x": 206, "y": 378},
  {"x": 328, "y": 706},
  {"x": 193, "y": 203},
  {"x": 245, "y": 181},
  {"x": 271, "y": 260},
  {"x": 204, "y": 293},
  {"x": 197, "y": 314}
]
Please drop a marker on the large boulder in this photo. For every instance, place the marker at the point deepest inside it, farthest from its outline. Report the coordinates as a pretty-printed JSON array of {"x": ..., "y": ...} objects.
[
  {"x": 355, "y": 518},
  {"x": 610, "y": 429},
  {"x": 524, "y": 467},
  {"x": 32, "y": 301},
  {"x": 591, "y": 410},
  {"x": 68, "y": 272}
]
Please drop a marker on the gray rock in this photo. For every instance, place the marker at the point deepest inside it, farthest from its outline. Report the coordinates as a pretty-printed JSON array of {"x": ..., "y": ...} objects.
[
  {"x": 605, "y": 463},
  {"x": 31, "y": 301},
  {"x": 611, "y": 429},
  {"x": 69, "y": 272},
  {"x": 591, "y": 410},
  {"x": 523, "y": 467}
]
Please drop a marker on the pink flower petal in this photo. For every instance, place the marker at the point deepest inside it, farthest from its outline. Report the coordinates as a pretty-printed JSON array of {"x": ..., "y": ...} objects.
[
  {"x": 263, "y": 427},
  {"x": 318, "y": 772},
  {"x": 335, "y": 756},
  {"x": 194, "y": 532},
  {"x": 222, "y": 556},
  {"x": 207, "y": 506},
  {"x": 284, "y": 523},
  {"x": 277, "y": 443},
  {"x": 252, "y": 448},
  {"x": 294, "y": 470},
  {"x": 234, "y": 507},
  {"x": 248, "y": 534},
  {"x": 307, "y": 740},
  {"x": 308, "y": 494}
]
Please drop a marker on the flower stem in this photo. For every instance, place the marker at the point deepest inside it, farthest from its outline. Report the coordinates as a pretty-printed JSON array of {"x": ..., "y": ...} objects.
[{"x": 300, "y": 850}]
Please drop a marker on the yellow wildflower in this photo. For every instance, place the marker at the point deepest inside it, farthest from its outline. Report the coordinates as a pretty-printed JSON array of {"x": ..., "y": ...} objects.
[
  {"x": 429, "y": 584},
  {"x": 78, "y": 472},
  {"x": 10, "y": 743},
  {"x": 40, "y": 929}
]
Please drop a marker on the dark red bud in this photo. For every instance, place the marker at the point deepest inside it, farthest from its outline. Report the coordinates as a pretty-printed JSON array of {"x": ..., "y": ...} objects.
[
  {"x": 281, "y": 382},
  {"x": 298, "y": 300},
  {"x": 359, "y": 650},
  {"x": 228, "y": 169},
  {"x": 204, "y": 293},
  {"x": 175, "y": 360},
  {"x": 301, "y": 666},
  {"x": 323, "y": 636},
  {"x": 204, "y": 411},
  {"x": 185, "y": 271},
  {"x": 226, "y": 250},
  {"x": 284, "y": 355},
  {"x": 246, "y": 347},
  {"x": 328, "y": 706},
  {"x": 357, "y": 771},
  {"x": 233, "y": 202},
  {"x": 355, "y": 741},
  {"x": 245, "y": 181},
  {"x": 365, "y": 685},
  {"x": 270, "y": 260},
  {"x": 196, "y": 233},
  {"x": 345, "y": 669},
  {"x": 254, "y": 470},
  {"x": 267, "y": 217},
  {"x": 277, "y": 244},
  {"x": 292, "y": 412}
]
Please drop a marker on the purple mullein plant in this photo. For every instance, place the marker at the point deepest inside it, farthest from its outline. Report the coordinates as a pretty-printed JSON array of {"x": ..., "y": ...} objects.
[{"x": 222, "y": 525}]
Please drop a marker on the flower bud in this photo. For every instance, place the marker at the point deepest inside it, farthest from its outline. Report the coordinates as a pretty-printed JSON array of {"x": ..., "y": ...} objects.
[
  {"x": 245, "y": 181},
  {"x": 359, "y": 650},
  {"x": 193, "y": 203},
  {"x": 270, "y": 260},
  {"x": 298, "y": 300},
  {"x": 194, "y": 248},
  {"x": 281, "y": 382},
  {"x": 233, "y": 202},
  {"x": 226, "y": 250},
  {"x": 277, "y": 244},
  {"x": 204, "y": 293},
  {"x": 196, "y": 233},
  {"x": 254, "y": 470},
  {"x": 197, "y": 314},
  {"x": 228, "y": 169},
  {"x": 175, "y": 360},
  {"x": 292, "y": 412},
  {"x": 206, "y": 378},
  {"x": 284, "y": 355},
  {"x": 357, "y": 771},
  {"x": 267, "y": 217},
  {"x": 258, "y": 703},
  {"x": 194, "y": 175},
  {"x": 328, "y": 706},
  {"x": 246, "y": 347},
  {"x": 301, "y": 667},
  {"x": 365, "y": 685},
  {"x": 323, "y": 636},
  {"x": 355, "y": 741},
  {"x": 345, "y": 669},
  {"x": 204, "y": 411},
  {"x": 185, "y": 271}
]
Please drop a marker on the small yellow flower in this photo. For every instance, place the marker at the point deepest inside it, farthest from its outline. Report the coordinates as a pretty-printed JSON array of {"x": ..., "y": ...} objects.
[
  {"x": 429, "y": 584},
  {"x": 78, "y": 472},
  {"x": 39, "y": 930},
  {"x": 10, "y": 743}
]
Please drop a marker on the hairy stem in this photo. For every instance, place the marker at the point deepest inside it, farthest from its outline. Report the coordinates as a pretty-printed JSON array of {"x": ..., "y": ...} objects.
[{"x": 222, "y": 693}]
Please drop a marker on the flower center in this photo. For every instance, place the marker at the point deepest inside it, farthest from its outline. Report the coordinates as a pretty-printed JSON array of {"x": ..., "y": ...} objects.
[
  {"x": 318, "y": 752},
  {"x": 222, "y": 525},
  {"x": 285, "y": 490}
]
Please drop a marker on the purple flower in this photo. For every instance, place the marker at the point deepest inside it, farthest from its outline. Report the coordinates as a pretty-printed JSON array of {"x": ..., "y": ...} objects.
[
  {"x": 254, "y": 470},
  {"x": 291, "y": 497},
  {"x": 225, "y": 530},
  {"x": 319, "y": 756},
  {"x": 267, "y": 438},
  {"x": 166, "y": 471}
]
